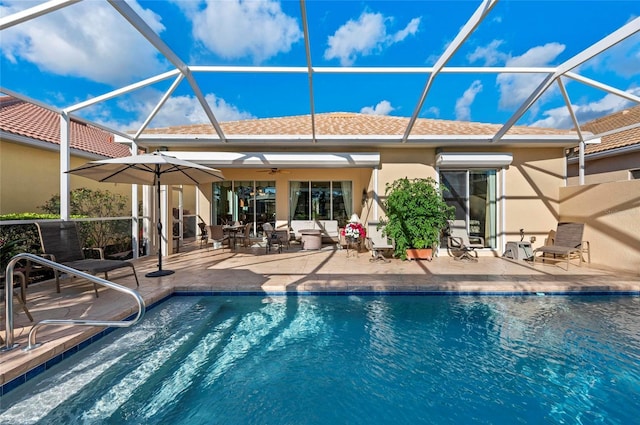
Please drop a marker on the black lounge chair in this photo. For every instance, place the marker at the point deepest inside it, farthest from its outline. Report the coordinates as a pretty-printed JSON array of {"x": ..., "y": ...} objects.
[{"x": 60, "y": 242}]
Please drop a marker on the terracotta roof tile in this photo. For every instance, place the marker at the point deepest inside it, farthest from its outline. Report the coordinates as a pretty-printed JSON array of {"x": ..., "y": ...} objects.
[
  {"x": 614, "y": 121},
  {"x": 29, "y": 120},
  {"x": 343, "y": 123}
]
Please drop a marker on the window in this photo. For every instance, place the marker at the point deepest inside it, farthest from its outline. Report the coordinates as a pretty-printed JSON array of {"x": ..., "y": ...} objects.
[
  {"x": 321, "y": 200},
  {"x": 473, "y": 194},
  {"x": 245, "y": 201}
]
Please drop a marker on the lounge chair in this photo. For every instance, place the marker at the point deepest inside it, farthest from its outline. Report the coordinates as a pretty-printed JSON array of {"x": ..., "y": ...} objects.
[
  {"x": 274, "y": 237},
  {"x": 458, "y": 241},
  {"x": 567, "y": 242},
  {"x": 378, "y": 244},
  {"x": 216, "y": 234},
  {"x": 60, "y": 242}
]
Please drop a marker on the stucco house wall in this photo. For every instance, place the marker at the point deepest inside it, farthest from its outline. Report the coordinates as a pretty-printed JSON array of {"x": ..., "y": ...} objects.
[
  {"x": 607, "y": 169},
  {"x": 611, "y": 213},
  {"x": 29, "y": 176},
  {"x": 531, "y": 200}
]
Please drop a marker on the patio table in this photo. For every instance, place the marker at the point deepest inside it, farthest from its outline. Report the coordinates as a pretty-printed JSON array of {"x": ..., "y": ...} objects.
[
  {"x": 311, "y": 239},
  {"x": 233, "y": 231}
]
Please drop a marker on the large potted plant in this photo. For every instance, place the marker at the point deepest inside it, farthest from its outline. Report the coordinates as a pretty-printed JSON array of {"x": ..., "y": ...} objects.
[{"x": 416, "y": 215}]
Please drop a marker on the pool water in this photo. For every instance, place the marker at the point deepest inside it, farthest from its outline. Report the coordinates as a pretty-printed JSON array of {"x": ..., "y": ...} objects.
[{"x": 352, "y": 359}]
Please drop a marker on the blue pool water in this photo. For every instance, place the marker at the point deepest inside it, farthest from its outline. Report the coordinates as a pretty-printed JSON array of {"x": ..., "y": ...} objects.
[{"x": 352, "y": 359}]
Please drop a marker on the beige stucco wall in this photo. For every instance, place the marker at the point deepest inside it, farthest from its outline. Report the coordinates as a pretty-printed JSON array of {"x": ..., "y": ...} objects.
[
  {"x": 30, "y": 176},
  {"x": 611, "y": 213},
  {"x": 396, "y": 164},
  {"x": 531, "y": 183},
  {"x": 608, "y": 169}
]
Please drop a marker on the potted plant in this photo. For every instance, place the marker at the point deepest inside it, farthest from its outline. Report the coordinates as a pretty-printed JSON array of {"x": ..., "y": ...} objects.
[{"x": 416, "y": 215}]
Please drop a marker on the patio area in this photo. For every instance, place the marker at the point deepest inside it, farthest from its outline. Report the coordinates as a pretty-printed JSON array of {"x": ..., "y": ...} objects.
[{"x": 293, "y": 271}]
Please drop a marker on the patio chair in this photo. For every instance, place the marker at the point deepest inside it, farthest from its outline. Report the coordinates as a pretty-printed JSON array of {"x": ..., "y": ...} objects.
[
  {"x": 19, "y": 280},
  {"x": 274, "y": 237},
  {"x": 216, "y": 234},
  {"x": 458, "y": 241},
  {"x": 204, "y": 237},
  {"x": 378, "y": 244},
  {"x": 567, "y": 242},
  {"x": 60, "y": 242},
  {"x": 244, "y": 236}
]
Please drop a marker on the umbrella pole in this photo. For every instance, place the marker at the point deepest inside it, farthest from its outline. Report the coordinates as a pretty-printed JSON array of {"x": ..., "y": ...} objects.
[{"x": 159, "y": 272}]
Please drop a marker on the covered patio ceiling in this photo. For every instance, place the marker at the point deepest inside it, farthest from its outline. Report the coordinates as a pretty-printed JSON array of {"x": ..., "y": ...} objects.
[{"x": 187, "y": 73}]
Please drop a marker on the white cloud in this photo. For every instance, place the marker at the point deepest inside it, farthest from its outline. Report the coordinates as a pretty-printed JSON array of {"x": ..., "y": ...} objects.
[
  {"x": 88, "y": 40},
  {"x": 236, "y": 29},
  {"x": 364, "y": 37},
  {"x": 463, "y": 104},
  {"x": 382, "y": 108},
  {"x": 411, "y": 28},
  {"x": 560, "y": 118},
  {"x": 433, "y": 111},
  {"x": 623, "y": 59},
  {"x": 515, "y": 88},
  {"x": 192, "y": 112},
  {"x": 178, "y": 110},
  {"x": 489, "y": 55}
]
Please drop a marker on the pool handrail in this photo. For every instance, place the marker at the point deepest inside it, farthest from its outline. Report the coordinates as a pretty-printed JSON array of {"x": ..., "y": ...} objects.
[{"x": 9, "y": 343}]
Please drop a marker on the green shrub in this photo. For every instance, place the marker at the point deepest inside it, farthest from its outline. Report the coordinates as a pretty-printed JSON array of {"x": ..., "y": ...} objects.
[
  {"x": 95, "y": 204},
  {"x": 415, "y": 213}
]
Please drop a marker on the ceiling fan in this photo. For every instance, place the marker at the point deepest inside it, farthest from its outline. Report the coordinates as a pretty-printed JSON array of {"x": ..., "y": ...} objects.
[{"x": 272, "y": 171}]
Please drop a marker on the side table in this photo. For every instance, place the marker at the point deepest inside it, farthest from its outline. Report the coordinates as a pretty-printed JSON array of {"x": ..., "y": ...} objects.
[{"x": 311, "y": 239}]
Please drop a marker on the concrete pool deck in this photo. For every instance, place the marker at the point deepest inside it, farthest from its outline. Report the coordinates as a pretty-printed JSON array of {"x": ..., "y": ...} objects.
[{"x": 292, "y": 271}]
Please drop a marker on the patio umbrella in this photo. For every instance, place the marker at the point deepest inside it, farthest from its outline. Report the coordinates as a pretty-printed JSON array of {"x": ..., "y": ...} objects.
[{"x": 149, "y": 169}]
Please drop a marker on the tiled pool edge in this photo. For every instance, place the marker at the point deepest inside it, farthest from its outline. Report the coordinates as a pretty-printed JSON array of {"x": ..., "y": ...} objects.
[{"x": 35, "y": 371}]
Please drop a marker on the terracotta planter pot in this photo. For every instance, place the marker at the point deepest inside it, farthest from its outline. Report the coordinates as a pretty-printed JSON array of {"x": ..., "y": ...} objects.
[{"x": 420, "y": 254}]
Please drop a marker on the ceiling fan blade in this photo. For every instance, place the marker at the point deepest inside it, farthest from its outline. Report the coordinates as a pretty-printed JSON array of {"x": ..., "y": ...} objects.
[{"x": 273, "y": 171}]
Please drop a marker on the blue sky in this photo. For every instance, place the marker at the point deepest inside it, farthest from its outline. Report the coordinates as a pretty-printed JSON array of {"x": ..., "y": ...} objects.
[{"x": 87, "y": 49}]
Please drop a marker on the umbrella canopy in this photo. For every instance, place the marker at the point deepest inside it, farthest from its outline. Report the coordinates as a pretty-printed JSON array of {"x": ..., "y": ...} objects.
[{"x": 149, "y": 169}]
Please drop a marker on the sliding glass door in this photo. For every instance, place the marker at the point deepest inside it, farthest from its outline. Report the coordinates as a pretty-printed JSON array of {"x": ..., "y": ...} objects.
[
  {"x": 244, "y": 201},
  {"x": 473, "y": 194}
]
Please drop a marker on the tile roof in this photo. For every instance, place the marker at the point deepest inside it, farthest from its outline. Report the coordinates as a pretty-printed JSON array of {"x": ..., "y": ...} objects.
[
  {"x": 614, "y": 121},
  {"x": 344, "y": 123},
  {"x": 33, "y": 121}
]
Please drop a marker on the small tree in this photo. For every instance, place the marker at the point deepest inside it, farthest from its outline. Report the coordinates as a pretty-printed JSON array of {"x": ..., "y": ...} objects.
[
  {"x": 95, "y": 203},
  {"x": 416, "y": 214}
]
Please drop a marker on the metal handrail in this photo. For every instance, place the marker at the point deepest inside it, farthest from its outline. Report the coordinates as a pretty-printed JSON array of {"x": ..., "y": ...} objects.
[{"x": 57, "y": 266}]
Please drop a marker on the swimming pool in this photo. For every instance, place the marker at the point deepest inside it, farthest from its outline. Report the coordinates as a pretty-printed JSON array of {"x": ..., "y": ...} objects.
[{"x": 352, "y": 359}]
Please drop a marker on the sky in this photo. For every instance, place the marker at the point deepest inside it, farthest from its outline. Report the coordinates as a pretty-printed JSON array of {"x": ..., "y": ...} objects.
[{"x": 88, "y": 49}]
